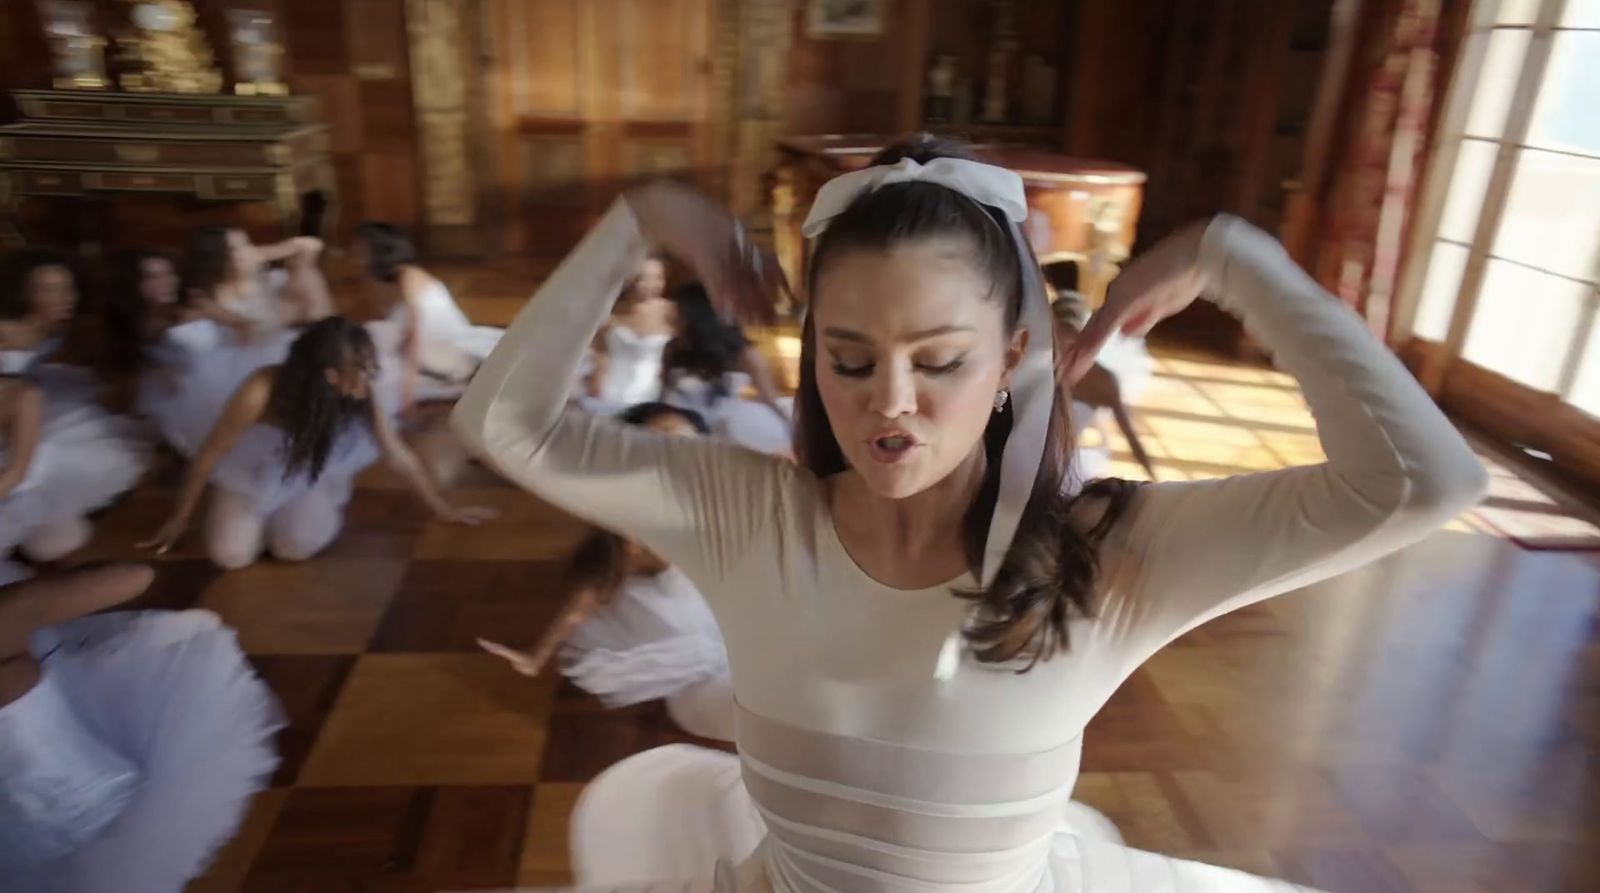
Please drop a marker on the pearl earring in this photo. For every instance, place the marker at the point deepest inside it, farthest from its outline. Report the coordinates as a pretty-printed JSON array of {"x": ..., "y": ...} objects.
[{"x": 1000, "y": 398}]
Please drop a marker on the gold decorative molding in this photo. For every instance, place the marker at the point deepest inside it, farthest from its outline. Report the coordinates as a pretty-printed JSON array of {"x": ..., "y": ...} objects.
[
  {"x": 136, "y": 154},
  {"x": 441, "y": 50},
  {"x": 758, "y": 58}
]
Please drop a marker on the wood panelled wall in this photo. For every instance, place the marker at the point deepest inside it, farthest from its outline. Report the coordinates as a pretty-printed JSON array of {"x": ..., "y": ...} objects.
[
  {"x": 586, "y": 95},
  {"x": 1210, "y": 97},
  {"x": 354, "y": 57},
  {"x": 856, "y": 85}
]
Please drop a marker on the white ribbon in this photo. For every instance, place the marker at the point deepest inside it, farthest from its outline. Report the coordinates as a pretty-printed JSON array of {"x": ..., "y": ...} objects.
[
  {"x": 1033, "y": 385},
  {"x": 983, "y": 183}
]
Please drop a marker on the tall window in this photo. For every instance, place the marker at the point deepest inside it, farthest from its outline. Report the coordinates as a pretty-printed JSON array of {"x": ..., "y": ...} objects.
[{"x": 1510, "y": 278}]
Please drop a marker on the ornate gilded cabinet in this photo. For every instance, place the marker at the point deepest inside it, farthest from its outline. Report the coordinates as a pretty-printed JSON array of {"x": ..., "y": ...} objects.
[{"x": 81, "y": 144}]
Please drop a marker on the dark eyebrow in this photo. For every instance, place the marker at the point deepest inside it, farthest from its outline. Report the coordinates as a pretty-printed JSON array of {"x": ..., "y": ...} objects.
[{"x": 924, "y": 335}]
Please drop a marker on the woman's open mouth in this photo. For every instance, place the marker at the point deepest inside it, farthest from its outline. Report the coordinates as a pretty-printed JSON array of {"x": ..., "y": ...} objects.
[{"x": 892, "y": 446}]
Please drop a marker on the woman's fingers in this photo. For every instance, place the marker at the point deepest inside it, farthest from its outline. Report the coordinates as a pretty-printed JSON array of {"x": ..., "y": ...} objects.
[{"x": 1081, "y": 353}]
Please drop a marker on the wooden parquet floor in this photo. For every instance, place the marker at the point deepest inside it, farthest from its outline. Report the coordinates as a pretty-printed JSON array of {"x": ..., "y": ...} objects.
[{"x": 1424, "y": 725}]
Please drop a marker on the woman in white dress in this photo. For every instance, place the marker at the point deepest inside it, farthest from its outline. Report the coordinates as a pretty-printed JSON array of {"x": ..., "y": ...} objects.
[
  {"x": 624, "y": 362},
  {"x": 634, "y": 628},
  {"x": 283, "y": 454},
  {"x": 240, "y": 278},
  {"x": 130, "y": 743},
  {"x": 62, "y": 454},
  {"x": 440, "y": 347},
  {"x": 919, "y": 622},
  {"x": 708, "y": 366},
  {"x": 176, "y": 358}
]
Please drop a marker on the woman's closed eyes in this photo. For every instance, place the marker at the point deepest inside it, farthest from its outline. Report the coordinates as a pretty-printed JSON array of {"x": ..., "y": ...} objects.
[{"x": 864, "y": 369}]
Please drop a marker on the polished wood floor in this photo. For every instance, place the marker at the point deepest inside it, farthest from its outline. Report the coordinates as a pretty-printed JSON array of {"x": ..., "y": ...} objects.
[{"x": 1427, "y": 724}]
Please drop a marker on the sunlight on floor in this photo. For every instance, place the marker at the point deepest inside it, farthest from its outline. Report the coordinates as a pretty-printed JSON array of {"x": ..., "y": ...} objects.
[{"x": 1206, "y": 419}]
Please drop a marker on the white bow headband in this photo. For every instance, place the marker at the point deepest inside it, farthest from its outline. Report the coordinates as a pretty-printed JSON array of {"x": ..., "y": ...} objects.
[
  {"x": 1033, "y": 382},
  {"x": 983, "y": 183}
]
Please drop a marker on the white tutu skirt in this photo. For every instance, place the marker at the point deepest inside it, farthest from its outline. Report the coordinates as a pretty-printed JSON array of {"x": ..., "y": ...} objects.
[
  {"x": 749, "y": 423},
  {"x": 657, "y": 638},
  {"x": 678, "y": 818},
  {"x": 195, "y": 370},
  {"x": 756, "y": 426},
  {"x": 86, "y": 457},
  {"x": 1129, "y": 360},
  {"x": 450, "y": 348},
  {"x": 168, "y": 695}
]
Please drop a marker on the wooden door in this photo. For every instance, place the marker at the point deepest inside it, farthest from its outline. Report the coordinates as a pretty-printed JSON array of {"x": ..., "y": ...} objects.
[{"x": 586, "y": 95}]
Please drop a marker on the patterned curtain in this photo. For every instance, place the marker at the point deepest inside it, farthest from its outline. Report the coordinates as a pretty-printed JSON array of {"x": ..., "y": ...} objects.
[{"x": 1395, "y": 83}]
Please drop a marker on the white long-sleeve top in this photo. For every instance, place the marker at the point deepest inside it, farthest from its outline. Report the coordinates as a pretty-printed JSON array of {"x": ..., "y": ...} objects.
[{"x": 818, "y": 647}]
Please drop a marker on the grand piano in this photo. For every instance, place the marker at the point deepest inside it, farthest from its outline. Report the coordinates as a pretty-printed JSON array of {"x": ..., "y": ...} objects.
[{"x": 1082, "y": 211}]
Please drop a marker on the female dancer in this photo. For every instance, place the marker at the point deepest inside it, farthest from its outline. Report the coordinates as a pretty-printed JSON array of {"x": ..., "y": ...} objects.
[
  {"x": 708, "y": 365},
  {"x": 286, "y": 448},
  {"x": 626, "y": 352},
  {"x": 440, "y": 346},
  {"x": 919, "y": 622},
  {"x": 62, "y": 455},
  {"x": 144, "y": 301},
  {"x": 183, "y": 355},
  {"x": 130, "y": 743},
  {"x": 227, "y": 269},
  {"x": 39, "y": 297},
  {"x": 634, "y": 628}
]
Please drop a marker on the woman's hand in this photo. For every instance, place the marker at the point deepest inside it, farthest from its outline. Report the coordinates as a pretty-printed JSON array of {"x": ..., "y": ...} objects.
[
  {"x": 470, "y": 515},
  {"x": 713, "y": 244},
  {"x": 168, "y": 535},
  {"x": 1155, "y": 286}
]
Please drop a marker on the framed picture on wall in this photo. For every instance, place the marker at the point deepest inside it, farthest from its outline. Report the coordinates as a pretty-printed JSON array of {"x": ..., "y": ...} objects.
[{"x": 844, "y": 18}]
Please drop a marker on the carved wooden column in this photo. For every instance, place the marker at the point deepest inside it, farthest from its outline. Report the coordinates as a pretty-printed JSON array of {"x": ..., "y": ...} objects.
[
  {"x": 442, "y": 37},
  {"x": 765, "y": 30}
]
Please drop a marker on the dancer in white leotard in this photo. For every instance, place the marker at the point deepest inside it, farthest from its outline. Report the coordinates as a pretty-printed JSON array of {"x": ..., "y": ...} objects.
[
  {"x": 282, "y": 456},
  {"x": 634, "y": 628},
  {"x": 225, "y": 268},
  {"x": 625, "y": 357},
  {"x": 62, "y": 454},
  {"x": 441, "y": 348},
  {"x": 708, "y": 366},
  {"x": 130, "y": 743},
  {"x": 914, "y": 670}
]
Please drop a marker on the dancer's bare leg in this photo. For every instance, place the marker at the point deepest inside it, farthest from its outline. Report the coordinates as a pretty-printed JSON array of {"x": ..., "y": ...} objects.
[
  {"x": 306, "y": 526},
  {"x": 57, "y": 538},
  {"x": 29, "y": 605},
  {"x": 234, "y": 532}
]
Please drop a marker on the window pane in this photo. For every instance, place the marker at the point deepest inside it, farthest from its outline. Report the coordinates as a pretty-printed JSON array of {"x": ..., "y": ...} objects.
[
  {"x": 1468, "y": 183},
  {"x": 1439, "y": 291},
  {"x": 1586, "y": 387},
  {"x": 1565, "y": 116},
  {"x": 1497, "y": 80},
  {"x": 1517, "y": 12},
  {"x": 1523, "y": 324},
  {"x": 1552, "y": 216},
  {"x": 1581, "y": 14}
]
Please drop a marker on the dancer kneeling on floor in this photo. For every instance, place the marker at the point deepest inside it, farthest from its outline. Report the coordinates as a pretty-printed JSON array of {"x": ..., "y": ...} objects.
[
  {"x": 284, "y": 453},
  {"x": 634, "y": 628}
]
